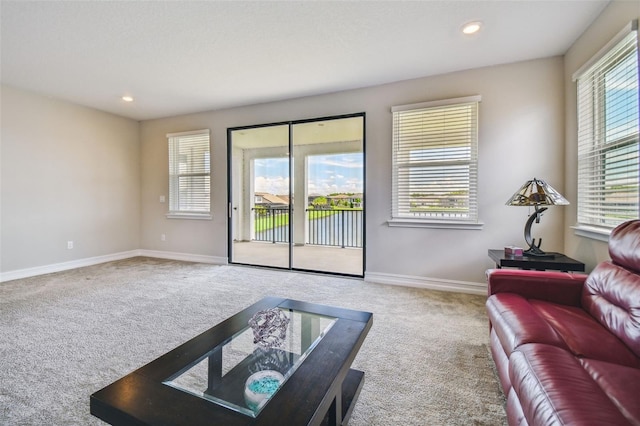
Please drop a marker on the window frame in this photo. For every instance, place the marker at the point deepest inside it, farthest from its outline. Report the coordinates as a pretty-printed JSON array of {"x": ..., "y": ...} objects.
[
  {"x": 400, "y": 218},
  {"x": 175, "y": 212},
  {"x": 593, "y": 142}
]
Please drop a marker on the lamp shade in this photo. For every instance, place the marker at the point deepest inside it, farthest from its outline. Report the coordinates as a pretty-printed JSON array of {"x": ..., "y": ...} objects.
[{"x": 536, "y": 192}]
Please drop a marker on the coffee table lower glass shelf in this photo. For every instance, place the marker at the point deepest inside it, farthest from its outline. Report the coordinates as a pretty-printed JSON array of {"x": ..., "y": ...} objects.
[
  {"x": 242, "y": 376},
  {"x": 222, "y": 377}
]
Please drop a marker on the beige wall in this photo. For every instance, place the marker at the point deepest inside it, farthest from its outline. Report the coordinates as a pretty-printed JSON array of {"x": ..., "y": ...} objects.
[
  {"x": 521, "y": 136},
  {"x": 73, "y": 173},
  {"x": 68, "y": 173},
  {"x": 611, "y": 21}
]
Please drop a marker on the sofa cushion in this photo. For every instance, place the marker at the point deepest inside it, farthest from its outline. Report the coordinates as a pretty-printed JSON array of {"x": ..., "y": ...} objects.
[
  {"x": 583, "y": 335},
  {"x": 621, "y": 384},
  {"x": 554, "y": 389},
  {"x": 611, "y": 294},
  {"x": 516, "y": 322}
]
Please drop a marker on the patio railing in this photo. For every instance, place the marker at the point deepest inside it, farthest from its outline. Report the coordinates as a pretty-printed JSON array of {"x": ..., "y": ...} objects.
[
  {"x": 337, "y": 227},
  {"x": 332, "y": 227},
  {"x": 271, "y": 224}
]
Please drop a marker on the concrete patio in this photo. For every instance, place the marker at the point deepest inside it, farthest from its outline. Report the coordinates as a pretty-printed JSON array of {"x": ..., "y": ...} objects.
[{"x": 308, "y": 257}]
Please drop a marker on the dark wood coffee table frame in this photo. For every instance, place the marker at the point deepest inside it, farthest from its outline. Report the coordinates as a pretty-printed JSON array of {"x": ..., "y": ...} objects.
[{"x": 321, "y": 391}]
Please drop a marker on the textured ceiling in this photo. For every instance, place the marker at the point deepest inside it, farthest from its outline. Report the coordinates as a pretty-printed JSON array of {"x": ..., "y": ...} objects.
[{"x": 178, "y": 57}]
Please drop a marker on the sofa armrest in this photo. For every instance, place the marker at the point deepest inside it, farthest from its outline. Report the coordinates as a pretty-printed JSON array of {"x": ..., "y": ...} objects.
[{"x": 557, "y": 287}]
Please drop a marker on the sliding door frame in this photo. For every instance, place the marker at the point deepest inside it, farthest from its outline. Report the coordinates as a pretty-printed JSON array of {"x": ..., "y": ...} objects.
[{"x": 291, "y": 125}]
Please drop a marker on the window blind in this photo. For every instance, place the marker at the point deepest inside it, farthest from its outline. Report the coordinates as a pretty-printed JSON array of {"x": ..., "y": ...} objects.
[
  {"x": 435, "y": 156},
  {"x": 189, "y": 173},
  {"x": 608, "y": 127}
]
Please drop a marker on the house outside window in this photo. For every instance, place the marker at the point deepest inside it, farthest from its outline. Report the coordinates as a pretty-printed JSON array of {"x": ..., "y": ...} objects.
[
  {"x": 435, "y": 164},
  {"x": 189, "y": 175},
  {"x": 608, "y": 128}
]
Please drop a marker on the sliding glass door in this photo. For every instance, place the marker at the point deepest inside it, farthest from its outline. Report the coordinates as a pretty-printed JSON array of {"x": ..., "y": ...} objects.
[
  {"x": 259, "y": 196},
  {"x": 296, "y": 195}
]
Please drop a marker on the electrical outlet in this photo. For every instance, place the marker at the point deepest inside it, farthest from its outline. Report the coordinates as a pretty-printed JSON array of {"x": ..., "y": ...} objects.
[
  {"x": 162, "y": 199},
  {"x": 69, "y": 245},
  {"x": 163, "y": 237}
]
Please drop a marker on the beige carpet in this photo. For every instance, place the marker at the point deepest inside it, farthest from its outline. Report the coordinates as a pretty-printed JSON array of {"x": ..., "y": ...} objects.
[{"x": 64, "y": 336}]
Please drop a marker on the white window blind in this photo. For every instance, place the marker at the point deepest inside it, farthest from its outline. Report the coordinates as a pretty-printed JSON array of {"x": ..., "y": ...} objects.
[
  {"x": 189, "y": 174},
  {"x": 608, "y": 123},
  {"x": 435, "y": 161}
]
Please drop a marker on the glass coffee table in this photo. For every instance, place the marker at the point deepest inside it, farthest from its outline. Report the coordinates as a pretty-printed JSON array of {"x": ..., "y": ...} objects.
[{"x": 223, "y": 377}]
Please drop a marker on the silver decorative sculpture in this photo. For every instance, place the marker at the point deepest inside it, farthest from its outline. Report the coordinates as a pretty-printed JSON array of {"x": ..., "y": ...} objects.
[{"x": 269, "y": 328}]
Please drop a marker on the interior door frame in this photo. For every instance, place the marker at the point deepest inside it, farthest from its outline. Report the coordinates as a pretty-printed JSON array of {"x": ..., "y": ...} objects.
[{"x": 291, "y": 124}]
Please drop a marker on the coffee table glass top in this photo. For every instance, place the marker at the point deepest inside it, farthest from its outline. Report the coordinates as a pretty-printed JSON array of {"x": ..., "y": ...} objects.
[{"x": 243, "y": 376}]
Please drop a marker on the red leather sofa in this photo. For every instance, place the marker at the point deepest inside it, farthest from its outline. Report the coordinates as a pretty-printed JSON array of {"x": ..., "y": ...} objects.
[{"x": 567, "y": 346}]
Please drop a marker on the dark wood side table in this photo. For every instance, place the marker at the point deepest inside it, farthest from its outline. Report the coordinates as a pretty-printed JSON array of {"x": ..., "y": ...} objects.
[{"x": 559, "y": 262}]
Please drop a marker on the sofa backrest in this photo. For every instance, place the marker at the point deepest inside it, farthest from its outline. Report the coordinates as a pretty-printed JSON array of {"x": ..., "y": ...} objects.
[
  {"x": 612, "y": 291},
  {"x": 624, "y": 245}
]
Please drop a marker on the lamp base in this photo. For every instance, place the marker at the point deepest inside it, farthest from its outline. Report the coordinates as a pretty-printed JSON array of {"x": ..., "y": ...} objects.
[
  {"x": 536, "y": 252},
  {"x": 534, "y": 249}
]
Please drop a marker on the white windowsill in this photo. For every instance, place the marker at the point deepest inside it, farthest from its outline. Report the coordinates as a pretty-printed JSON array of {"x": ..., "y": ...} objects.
[
  {"x": 195, "y": 216},
  {"x": 593, "y": 233},
  {"x": 421, "y": 223}
]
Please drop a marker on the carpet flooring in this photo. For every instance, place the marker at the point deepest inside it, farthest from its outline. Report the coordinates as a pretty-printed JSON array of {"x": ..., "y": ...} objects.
[{"x": 66, "y": 335}]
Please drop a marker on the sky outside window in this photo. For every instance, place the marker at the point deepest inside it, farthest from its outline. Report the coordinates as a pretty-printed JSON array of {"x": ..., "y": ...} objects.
[
  {"x": 326, "y": 174},
  {"x": 621, "y": 99}
]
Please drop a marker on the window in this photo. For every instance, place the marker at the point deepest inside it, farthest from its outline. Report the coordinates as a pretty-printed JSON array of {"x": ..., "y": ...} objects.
[
  {"x": 608, "y": 122},
  {"x": 435, "y": 163},
  {"x": 189, "y": 175}
]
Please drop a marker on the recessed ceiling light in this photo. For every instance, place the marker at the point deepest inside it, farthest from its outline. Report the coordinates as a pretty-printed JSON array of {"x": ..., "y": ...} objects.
[
  {"x": 127, "y": 98},
  {"x": 471, "y": 27}
]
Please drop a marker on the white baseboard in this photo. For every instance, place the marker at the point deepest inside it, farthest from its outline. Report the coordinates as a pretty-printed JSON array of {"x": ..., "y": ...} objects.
[
  {"x": 186, "y": 257},
  {"x": 427, "y": 283},
  {"x": 374, "y": 277},
  {"x": 64, "y": 266}
]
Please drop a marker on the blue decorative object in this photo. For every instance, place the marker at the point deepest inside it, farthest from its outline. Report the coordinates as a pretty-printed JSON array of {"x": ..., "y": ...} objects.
[{"x": 260, "y": 386}]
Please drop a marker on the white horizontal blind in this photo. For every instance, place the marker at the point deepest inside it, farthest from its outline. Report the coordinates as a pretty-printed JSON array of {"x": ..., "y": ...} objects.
[
  {"x": 608, "y": 127},
  {"x": 189, "y": 173},
  {"x": 435, "y": 160}
]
